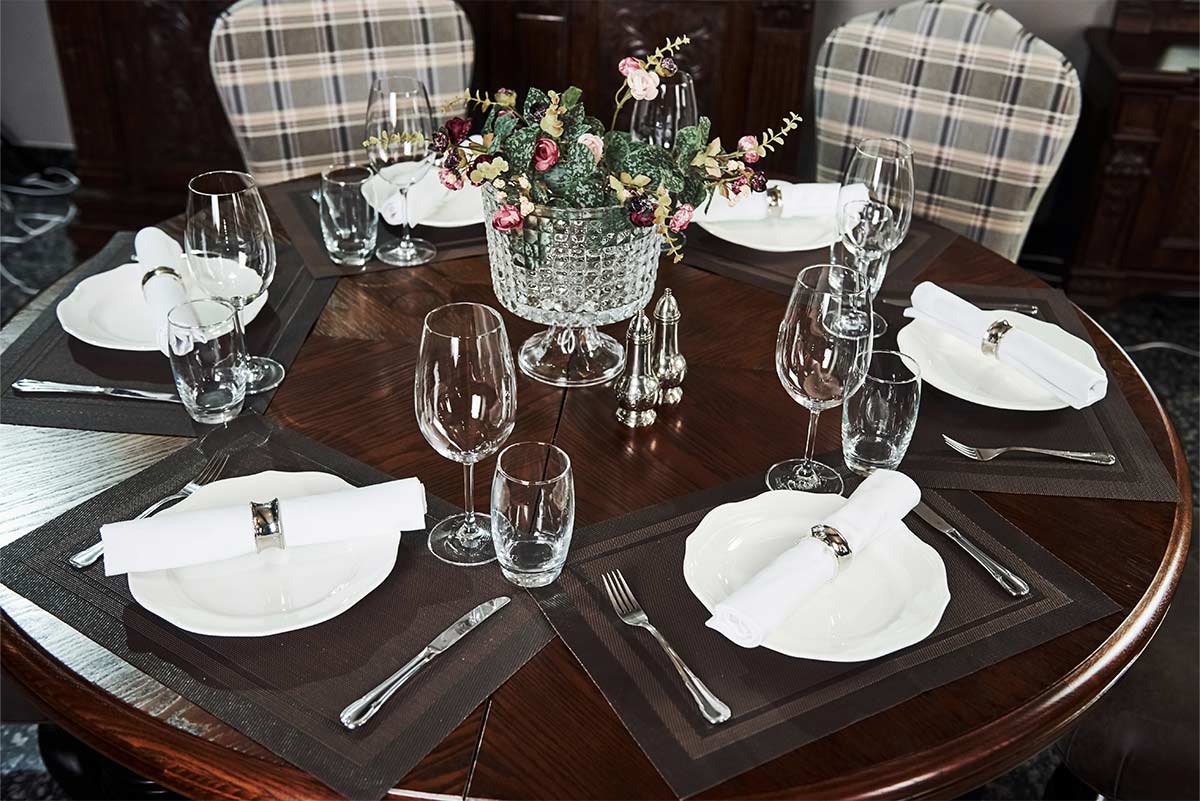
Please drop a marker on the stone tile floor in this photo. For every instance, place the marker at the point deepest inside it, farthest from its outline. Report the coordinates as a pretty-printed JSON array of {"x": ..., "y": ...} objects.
[{"x": 1174, "y": 376}]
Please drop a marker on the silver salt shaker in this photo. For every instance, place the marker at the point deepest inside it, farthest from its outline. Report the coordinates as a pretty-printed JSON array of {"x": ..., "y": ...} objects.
[
  {"x": 669, "y": 365},
  {"x": 637, "y": 386}
]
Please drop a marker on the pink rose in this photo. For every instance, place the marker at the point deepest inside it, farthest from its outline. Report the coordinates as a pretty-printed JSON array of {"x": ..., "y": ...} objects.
[
  {"x": 458, "y": 128},
  {"x": 592, "y": 143},
  {"x": 450, "y": 179},
  {"x": 681, "y": 219},
  {"x": 628, "y": 65},
  {"x": 748, "y": 145},
  {"x": 643, "y": 85},
  {"x": 545, "y": 154},
  {"x": 508, "y": 218}
]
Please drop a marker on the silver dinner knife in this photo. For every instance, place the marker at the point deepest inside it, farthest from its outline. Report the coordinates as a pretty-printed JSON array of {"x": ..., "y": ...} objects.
[
  {"x": 1005, "y": 577},
  {"x": 365, "y": 708},
  {"x": 36, "y": 385},
  {"x": 1021, "y": 308}
]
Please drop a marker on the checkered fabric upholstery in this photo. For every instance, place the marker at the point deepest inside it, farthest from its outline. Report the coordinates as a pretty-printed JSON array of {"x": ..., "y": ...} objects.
[
  {"x": 294, "y": 75},
  {"x": 987, "y": 107}
]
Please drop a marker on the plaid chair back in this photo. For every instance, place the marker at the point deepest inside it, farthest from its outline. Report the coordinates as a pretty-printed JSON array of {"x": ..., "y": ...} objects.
[
  {"x": 294, "y": 75},
  {"x": 987, "y": 107}
]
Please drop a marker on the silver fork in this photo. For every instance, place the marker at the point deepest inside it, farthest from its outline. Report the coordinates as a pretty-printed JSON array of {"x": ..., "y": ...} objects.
[
  {"x": 88, "y": 556},
  {"x": 987, "y": 454},
  {"x": 631, "y": 614}
]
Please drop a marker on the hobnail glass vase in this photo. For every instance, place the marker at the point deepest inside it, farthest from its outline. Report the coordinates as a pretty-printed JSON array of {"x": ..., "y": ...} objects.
[{"x": 573, "y": 270}]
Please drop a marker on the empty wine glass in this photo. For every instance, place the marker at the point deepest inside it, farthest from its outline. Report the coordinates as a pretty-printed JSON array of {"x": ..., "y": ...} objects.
[
  {"x": 466, "y": 400},
  {"x": 658, "y": 120},
  {"x": 231, "y": 253},
  {"x": 821, "y": 356},
  {"x": 886, "y": 167},
  {"x": 398, "y": 133},
  {"x": 868, "y": 231}
]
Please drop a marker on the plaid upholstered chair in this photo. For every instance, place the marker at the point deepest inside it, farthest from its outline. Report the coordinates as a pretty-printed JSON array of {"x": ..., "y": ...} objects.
[
  {"x": 294, "y": 75},
  {"x": 987, "y": 107}
]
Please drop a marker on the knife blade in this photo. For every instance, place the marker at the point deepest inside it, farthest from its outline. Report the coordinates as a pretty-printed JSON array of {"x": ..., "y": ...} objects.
[
  {"x": 1021, "y": 308},
  {"x": 37, "y": 385},
  {"x": 1007, "y": 579},
  {"x": 362, "y": 710}
]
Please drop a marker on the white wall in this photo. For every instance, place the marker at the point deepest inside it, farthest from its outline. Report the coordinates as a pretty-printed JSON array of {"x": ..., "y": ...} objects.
[{"x": 33, "y": 106}]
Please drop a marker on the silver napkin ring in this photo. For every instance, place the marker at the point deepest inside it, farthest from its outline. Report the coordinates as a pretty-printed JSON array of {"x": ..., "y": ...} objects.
[
  {"x": 161, "y": 271},
  {"x": 836, "y": 542},
  {"x": 774, "y": 202},
  {"x": 995, "y": 332},
  {"x": 268, "y": 525}
]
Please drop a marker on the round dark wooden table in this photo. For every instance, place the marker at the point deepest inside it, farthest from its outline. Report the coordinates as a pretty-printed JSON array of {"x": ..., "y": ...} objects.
[{"x": 548, "y": 733}]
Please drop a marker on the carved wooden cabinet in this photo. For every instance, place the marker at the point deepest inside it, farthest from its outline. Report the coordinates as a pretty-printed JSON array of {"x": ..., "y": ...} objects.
[{"x": 1141, "y": 134}]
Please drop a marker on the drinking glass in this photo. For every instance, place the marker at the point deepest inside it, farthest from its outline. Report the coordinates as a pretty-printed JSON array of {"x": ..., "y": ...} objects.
[
  {"x": 207, "y": 353},
  {"x": 821, "y": 356},
  {"x": 867, "y": 230},
  {"x": 886, "y": 167},
  {"x": 231, "y": 253},
  {"x": 879, "y": 418},
  {"x": 349, "y": 225},
  {"x": 466, "y": 400},
  {"x": 399, "y": 129},
  {"x": 533, "y": 512},
  {"x": 658, "y": 120}
]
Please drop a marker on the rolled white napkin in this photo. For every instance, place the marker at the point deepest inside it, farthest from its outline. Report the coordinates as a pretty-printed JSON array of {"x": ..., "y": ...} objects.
[
  {"x": 154, "y": 247},
  {"x": 163, "y": 292},
  {"x": 1070, "y": 380},
  {"x": 798, "y": 200},
  {"x": 208, "y": 535},
  {"x": 771, "y": 596}
]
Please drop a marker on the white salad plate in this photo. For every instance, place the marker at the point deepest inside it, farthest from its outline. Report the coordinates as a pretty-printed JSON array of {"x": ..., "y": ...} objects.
[
  {"x": 107, "y": 309},
  {"x": 892, "y": 594},
  {"x": 777, "y": 234},
  {"x": 964, "y": 371},
  {"x": 273, "y": 591}
]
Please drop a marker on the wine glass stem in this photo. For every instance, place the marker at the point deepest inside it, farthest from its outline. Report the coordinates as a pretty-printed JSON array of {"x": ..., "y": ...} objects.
[
  {"x": 469, "y": 529},
  {"x": 252, "y": 371},
  {"x": 406, "y": 226},
  {"x": 813, "y": 416}
]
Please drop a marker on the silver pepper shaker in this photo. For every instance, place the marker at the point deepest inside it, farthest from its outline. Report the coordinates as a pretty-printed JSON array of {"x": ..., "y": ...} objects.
[
  {"x": 669, "y": 365},
  {"x": 637, "y": 386}
]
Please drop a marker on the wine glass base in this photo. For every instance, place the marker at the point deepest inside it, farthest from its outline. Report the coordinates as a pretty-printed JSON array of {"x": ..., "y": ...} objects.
[
  {"x": 563, "y": 356},
  {"x": 263, "y": 374},
  {"x": 410, "y": 253},
  {"x": 879, "y": 325},
  {"x": 805, "y": 476},
  {"x": 447, "y": 544}
]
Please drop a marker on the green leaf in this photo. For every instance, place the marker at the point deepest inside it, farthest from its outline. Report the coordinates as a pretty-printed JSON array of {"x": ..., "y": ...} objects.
[
  {"x": 574, "y": 168},
  {"x": 652, "y": 161},
  {"x": 571, "y": 96},
  {"x": 502, "y": 127},
  {"x": 594, "y": 126},
  {"x": 689, "y": 141},
  {"x": 695, "y": 191},
  {"x": 532, "y": 98},
  {"x": 518, "y": 147},
  {"x": 616, "y": 148}
]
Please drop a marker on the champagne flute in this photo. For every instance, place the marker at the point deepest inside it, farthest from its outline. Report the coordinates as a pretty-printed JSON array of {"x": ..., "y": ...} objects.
[
  {"x": 821, "y": 356},
  {"x": 398, "y": 132},
  {"x": 231, "y": 253},
  {"x": 466, "y": 401}
]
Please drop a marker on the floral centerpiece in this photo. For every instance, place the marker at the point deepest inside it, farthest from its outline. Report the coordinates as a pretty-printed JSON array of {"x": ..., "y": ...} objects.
[{"x": 576, "y": 214}]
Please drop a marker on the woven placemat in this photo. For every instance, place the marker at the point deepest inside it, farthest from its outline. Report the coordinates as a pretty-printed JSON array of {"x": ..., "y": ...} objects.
[
  {"x": 45, "y": 351},
  {"x": 1108, "y": 425},
  {"x": 780, "y": 703},
  {"x": 286, "y": 691},
  {"x": 292, "y": 203}
]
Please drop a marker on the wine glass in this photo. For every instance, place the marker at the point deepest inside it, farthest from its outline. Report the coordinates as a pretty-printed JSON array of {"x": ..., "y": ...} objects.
[
  {"x": 466, "y": 400},
  {"x": 399, "y": 129},
  {"x": 821, "y": 356},
  {"x": 658, "y": 120},
  {"x": 885, "y": 166},
  {"x": 231, "y": 253},
  {"x": 868, "y": 232}
]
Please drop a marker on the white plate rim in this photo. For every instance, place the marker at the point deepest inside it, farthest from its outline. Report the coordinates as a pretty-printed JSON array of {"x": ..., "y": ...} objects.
[
  {"x": 923, "y": 611},
  {"x": 142, "y": 585}
]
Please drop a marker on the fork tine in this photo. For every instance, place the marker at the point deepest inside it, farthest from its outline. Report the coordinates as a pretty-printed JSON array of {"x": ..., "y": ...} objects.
[
  {"x": 965, "y": 450},
  {"x": 211, "y": 469},
  {"x": 612, "y": 597},
  {"x": 623, "y": 585}
]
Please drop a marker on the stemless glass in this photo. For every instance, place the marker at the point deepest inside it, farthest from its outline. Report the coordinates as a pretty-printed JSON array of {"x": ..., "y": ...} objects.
[
  {"x": 533, "y": 512},
  {"x": 878, "y": 420},
  {"x": 231, "y": 253},
  {"x": 399, "y": 129},
  {"x": 821, "y": 356},
  {"x": 206, "y": 353},
  {"x": 658, "y": 120},
  {"x": 868, "y": 231},
  {"x": 349, "y": 225},
  {"x": 466, "y": 401}
]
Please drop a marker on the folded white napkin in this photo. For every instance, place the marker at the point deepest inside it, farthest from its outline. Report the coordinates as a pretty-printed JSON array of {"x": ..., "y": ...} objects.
[
  {"x": 771, "y": 596},
  {"x": 798, "y": 200},
  {"x": 162, "y": 293},
  {"x": 154, "y": 247},
  {"x": 1069, "y": 379},
  {"x": 208, "y": 535},
  {"x": 424, "y": 197}
]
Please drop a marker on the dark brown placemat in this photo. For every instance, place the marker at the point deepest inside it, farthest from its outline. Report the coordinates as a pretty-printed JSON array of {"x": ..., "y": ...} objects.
[
  {"x": 1107, "y": 425},
  {"x": 294, "y": 302},
  {"x": 780, "y": 703},
  {"x": 777, "y": 271},
  {"x": 292, "y": 203},
  {"x": 286, "y": 691}
]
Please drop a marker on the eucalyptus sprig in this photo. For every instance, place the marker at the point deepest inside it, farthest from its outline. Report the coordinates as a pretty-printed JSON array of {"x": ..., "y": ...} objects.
[{"x": 668, "y": 48}]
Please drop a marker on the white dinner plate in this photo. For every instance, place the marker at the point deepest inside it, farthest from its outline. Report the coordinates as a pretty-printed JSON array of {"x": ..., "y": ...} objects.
[
  {"x": 459, "y": 208},
  {"x": 964, "y": 371},
  {"x": 270, "y": 592},
  {"x": 777, "y": 234},
  {"x": 891, "y": 595},
  {"x": 107, "y": 309}
]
